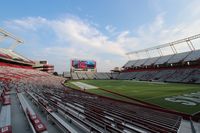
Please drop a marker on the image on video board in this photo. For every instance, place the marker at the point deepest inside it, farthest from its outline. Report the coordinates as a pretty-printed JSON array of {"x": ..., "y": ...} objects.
[{"x": 83, "y": 64}]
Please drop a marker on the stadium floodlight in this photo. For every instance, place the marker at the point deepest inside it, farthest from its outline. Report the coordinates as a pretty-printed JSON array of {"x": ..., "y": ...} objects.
[
  {"x": 4, "y": 34},
  {"x": 187, "y": 40}
]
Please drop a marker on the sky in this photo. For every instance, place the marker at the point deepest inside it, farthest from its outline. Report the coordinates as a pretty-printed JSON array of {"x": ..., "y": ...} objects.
[{"x": 101, "y": 30}]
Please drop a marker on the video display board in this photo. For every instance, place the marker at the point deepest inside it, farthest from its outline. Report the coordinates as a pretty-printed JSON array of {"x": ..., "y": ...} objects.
[{"x": 83, "y": 65}]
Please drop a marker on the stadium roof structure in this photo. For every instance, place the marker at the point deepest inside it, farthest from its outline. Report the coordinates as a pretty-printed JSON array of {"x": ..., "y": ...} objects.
[
  {"x": 4, "y": 34},
  {"x": 8, "y": 54},
  {"x": 187, "y": 40}
]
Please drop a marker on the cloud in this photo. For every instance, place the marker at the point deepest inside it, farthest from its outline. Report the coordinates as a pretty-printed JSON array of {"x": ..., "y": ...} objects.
[
  {"x": 191, "y": 11},
  {"x": 73, "y": 38},
  {"x": 61, "y": 39},
  {"x": 82, "y": 34},
  {"x": 28, "y": 23}
]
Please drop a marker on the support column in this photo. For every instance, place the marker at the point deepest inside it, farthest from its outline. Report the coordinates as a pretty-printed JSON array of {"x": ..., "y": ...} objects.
[
  {"x": 190, "y": 45},
  {"x": 173, "y": 49},
  {"x": 147, "y": 52},
  {"x": 160, "y": 51},
  {"x": 14, "y": 45},
  {"x": 129, "y": 57},
  {"x": 2, "y": 38}
]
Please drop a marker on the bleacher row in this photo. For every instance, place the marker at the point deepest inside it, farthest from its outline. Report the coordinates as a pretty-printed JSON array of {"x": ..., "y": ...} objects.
[
  {"x": 89, "y": 75},
  {"x": 178, "y": 75},
  {"x": 9, "y": 78},
  {"x": 77, "y": 111},
  {"x": 103, "y": 115}
]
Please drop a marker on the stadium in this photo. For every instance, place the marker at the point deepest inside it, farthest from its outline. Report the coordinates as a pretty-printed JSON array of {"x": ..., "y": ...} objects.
[
  {"x": 103, "y": 66},
  {"x": 153, "y": 94}
]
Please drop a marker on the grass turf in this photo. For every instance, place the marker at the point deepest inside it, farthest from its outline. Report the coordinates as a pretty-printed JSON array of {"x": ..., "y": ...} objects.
[
  {"x": 147, "y": 91},
  {"x": 100, "y": 92}
]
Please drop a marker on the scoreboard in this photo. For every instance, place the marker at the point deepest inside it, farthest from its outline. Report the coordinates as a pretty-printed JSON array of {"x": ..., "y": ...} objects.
[{"x": 83, "y": 65}]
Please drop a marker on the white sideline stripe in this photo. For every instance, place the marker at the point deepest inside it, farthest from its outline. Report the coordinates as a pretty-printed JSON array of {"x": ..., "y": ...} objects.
[{"x": 84, "y": 85}]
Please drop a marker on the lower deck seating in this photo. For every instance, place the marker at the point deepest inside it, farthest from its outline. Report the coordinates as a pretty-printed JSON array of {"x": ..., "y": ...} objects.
[
  {"x": 114, "y": 75},
  {"x": 179, "y": 75},
  {"x": 140, "y": 74},
  {"x": 123, "y": 76},
  {"x": 183, "y": 75},
  {"x": 87, "y": 112},
  {"x": 148, "y": 75},
  {"x": 74, "y": 76},
  {"x": 82, "y": 75},
  {"x": 86, "y": 109},
  {"x": 90, "y": 75},
  {"x": 102, "y": 75},
  {"x": 163, "y": 74},
  {"x": 193, "y": 77}
]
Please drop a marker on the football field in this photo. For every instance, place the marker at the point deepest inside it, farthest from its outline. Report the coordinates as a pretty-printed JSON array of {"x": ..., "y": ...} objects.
[{"x": 180, "y": 97}]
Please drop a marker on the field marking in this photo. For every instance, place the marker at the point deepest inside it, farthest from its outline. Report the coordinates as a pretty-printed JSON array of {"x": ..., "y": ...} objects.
[
  {"x": 84, "y": 85},
  {"x": 164, "y": 96},
  {"x": 160, "y": 96}
]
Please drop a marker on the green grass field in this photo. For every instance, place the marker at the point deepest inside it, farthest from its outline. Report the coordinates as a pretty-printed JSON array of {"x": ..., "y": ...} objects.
[{"x": 146, "y": 91}]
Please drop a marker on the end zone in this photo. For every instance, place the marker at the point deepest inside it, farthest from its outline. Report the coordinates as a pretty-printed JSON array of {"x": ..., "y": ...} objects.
[{"x": 84, "y": 85}]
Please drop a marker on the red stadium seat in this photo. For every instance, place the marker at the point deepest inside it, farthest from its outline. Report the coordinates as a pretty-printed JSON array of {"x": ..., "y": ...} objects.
[
  {"x": 6, "y": 100},
  {"x": 5, "y": 92},
  {"x": 40, "y": 127},
  {"x": 33, "y": 117},
  {"x": 49, "y": 109},
  {"x": 6, "y": 129},
  {"x": 37, "y": 123}
]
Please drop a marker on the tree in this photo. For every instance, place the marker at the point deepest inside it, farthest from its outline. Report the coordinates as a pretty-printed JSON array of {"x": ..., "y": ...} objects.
[{"x": 55, "y": 73}]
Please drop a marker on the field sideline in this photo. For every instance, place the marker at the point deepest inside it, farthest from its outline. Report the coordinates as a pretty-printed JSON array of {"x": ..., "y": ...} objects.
[{"x": 146, "y": 91}]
